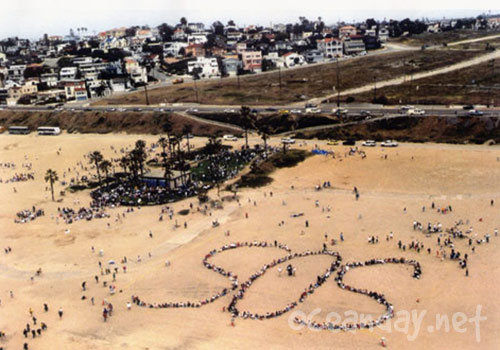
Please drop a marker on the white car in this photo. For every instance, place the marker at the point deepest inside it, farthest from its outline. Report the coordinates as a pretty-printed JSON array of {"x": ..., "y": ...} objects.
[
  {"x": 340, "y": 111},
  {"x": 296, "y": 111},
  {"x": 407, "y": 108},
  {"x": 313, "y": 110},
  {"x": 389, "y": 143},
  {"x": 287, "y": 140},
  {"x": 191, "y": 110},
  {"x": 369, "y": 143},
  {"x": 415, "y": 111},
  {"x": 229, "y": 138},
  {"x": 229, "y": 110}
]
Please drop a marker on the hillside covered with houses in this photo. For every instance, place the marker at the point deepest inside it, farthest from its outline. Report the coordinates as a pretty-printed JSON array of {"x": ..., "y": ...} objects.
[{"x": 81, "y": 66}]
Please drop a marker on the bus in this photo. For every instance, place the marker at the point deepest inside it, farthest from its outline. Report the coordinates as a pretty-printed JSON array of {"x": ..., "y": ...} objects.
[
  {"x": 49, "y": 130},
  {"x": 19, "y": 130}
]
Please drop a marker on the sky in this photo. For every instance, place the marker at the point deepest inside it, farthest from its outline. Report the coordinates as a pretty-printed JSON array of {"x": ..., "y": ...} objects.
[{"x": 32, "y": 18}]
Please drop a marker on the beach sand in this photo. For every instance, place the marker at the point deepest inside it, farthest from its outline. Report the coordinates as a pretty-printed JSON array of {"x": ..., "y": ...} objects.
[{"x": 466, "y": 177}]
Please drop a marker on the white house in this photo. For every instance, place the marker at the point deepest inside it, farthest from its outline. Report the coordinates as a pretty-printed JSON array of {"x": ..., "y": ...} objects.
[
  {"x": 331, "y": 47},
  {"x": 275, "y": 59},
  {"x": 293, "y": 59},
  {"x": 68, "y": 73},
  {"x": 173, "y": 48},
  {"x": 197, "y": 38},
  {"x": 383, "y": 34},
  {"x": 208, "y": 67}
]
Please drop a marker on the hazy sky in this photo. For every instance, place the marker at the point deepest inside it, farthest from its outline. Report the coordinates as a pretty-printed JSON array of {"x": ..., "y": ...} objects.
[{"x": 33, "y": 18}]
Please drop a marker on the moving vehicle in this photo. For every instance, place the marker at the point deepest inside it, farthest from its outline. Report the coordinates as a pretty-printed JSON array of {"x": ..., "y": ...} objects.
[
  {"x": 389, "y": 143},
  {"x": 229, "y": 137},
  {"x": 407, "y": 108},
  {"x": 271, "y": 109},
  {"x": 415, "y": 111},
  {"x": 228, "y": 110},
  {"x": 191, "y": 110},
  {"x": 475, "y": 112},
  {"x": 284, "y": 111},
  {"x": 313, "y": 110},
  {"x": 288, "y": 140},
  {"x": 339, "y": 111},
  {"x": 369, "y": 143},
  {"x": 366, "y": 113},
  {"x": 177, "y": 81},
  {"x": 49, "y": 130},
  {"x": 296, "y": 111}
]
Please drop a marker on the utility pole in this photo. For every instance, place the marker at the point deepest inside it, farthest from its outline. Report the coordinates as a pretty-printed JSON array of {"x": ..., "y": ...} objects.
[
  {"x": 238, "y": 77},
  {"x": 279, "y": 74},
  {"x": 410, "y": 88},
  {"x": 374, "y": 88},
  {"x": 338, "y": 83},
  {"x": 492, "y": 99},
  {"x": 196, "y": 89},
  {"x": 146, "y": 93}
]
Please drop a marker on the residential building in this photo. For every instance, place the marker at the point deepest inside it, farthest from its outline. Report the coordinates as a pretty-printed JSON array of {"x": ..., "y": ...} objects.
[
  {"x": 252, "y": 60},
  {"x": 174, "y": 48},
  {"x": 240, "y": 47},
  {"x": 293, "y": 59},
  {"x": 276, "y": 60},
  {"x": 17, "y": 90},
  {"x": 195, "y": 50},
  {"x": 231, "y": 65},
  {"x": 354, "y": 45},
  {"x": 314, "y": 56},
  {"x": 68, "y": 73},
  {"x": 347, "y": 31},
  {"x": 383, "y": 34},
  {"x": 50, "y": 79},
  {"x": 331, "y": 47},
  {"x": 16, "y": 72},
  {"x": 204, "y": 67},
  {"x": 139, "y": 76},
  {"x": 196, "y": 27},
  {"x": 197, "y": 38},
  {"x": 75, "y": 90}
]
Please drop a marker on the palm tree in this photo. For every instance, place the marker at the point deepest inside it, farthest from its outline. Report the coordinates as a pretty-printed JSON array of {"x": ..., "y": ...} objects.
[
  {"x": 96, "y": 158},
  {"x": 140, "y": 154},
  {"x": 51, "y": 177},
  {"x": 247, "y": 121},
  {"x": 264, "y": 132},
  {"x": 105, "y": 165},
  {"x": 166, "y": 165},
  {"x": 187, "y": 130}
]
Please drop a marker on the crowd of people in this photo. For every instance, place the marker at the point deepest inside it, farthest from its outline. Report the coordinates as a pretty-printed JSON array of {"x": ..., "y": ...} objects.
[
  {"x": 290, "y": 306},
  {"x": 69, "y": 215},
  {"x": 28, "y": 215},
  {"x": 19, "y": 177},
  {"x": 233, "y": 278},
  {"x": 380, "y": 298}
]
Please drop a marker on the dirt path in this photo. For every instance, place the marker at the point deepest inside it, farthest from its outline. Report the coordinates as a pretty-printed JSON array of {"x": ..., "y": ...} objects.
[{"x": 401, "y": 79}]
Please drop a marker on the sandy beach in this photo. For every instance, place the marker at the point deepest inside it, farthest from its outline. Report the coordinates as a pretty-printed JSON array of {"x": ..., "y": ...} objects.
[{"x": 394, "y": 185}]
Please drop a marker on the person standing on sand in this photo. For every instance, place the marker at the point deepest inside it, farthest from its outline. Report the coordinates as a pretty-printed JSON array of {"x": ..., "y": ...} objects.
[{"x": 60, "y": 312}]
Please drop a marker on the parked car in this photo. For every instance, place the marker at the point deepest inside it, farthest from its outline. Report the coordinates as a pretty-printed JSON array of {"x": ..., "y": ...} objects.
[
  {"x": 296, "y": 111},
  {"x": 366, "y": 113},
  {"x": 332, "y": 142},
  {"x": 271, "y": 109},
  {"x": 475, "y": 112},
  {"x": 287, "y": 140},
  {"x": 369, "y": 143},
  {"x": 349, "y": 142},
  {"x": 229, "y": 137},
  {"x": 284, "y": 111},
  {"x": 389, "y": 143},
  {"x": 191, "y": 110},
  {"x": 229, "y": 110},
  {"x": 468, "y": 107},
  {"x": 178, "y": 81}
]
